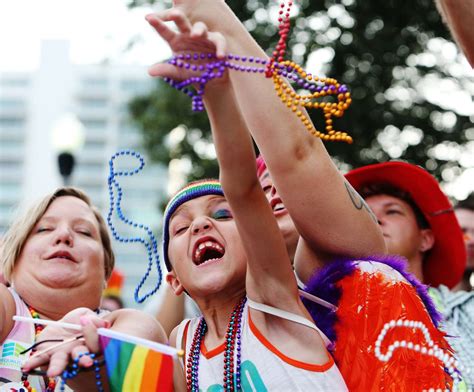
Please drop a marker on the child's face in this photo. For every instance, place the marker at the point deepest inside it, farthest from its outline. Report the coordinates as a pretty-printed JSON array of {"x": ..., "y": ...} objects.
[
  {"x": 285, "y": 223},
  {"x": 205, "y": 248}
]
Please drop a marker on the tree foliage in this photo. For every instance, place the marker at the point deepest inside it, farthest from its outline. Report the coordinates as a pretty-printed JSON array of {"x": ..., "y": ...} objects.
[{"x": 396, "y": 57}]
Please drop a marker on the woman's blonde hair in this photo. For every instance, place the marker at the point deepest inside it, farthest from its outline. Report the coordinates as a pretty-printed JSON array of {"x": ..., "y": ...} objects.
[{"x": 17, "y": 234}]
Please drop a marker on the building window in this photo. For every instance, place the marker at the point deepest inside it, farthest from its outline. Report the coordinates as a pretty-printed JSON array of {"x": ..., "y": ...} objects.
[
  {"x": 95, "y": 82},
  {"x": 14, "y": 82},
  {"x": 6, "y": 103},
  {"x": 94, "y": 124},
  {"x": 11, "y": 122},
  {"x": 93, "y": 103},
  {"x": 94, "y": 145}
]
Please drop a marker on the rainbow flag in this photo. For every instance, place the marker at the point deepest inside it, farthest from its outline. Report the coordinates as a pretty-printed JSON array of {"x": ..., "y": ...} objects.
[{"x": 136, "y": 365}]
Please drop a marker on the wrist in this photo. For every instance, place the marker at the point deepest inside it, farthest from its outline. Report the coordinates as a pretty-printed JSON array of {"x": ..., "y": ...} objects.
[{"x": 216, "y": 14}]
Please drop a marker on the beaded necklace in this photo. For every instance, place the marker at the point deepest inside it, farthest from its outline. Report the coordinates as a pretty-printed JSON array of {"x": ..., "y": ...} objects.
[
  {"x": 428, "y": 347},
  {"x": 232, "y": 345},
  {"x": 318, "y": 88},
  {"x": 283, "y": 30},
  {"x": 74, "y": 369},
  {"x": 50, "y": 382},
  {"x": 148, "y": 240},
  {"x": 277, "y": 69}
]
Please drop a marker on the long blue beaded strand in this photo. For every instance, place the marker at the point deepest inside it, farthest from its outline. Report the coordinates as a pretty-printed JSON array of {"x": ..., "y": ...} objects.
[{"x": 115, "y": 205}]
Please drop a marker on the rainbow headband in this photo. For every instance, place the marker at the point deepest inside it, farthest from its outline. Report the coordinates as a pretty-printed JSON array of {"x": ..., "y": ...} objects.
[{"x": 191, "y": 191}]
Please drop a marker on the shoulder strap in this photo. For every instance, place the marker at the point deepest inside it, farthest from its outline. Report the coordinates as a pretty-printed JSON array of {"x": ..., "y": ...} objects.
[
  {"x": 287, "y": 316},
  {"x": 181, "y": 337}
]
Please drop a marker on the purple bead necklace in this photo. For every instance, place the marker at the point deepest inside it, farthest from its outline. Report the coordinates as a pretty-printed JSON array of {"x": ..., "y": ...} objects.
[
  {"x": 216, "y": 69},
  {"x": 283, "y": 73},
  {"x": 232, "y": 345}
]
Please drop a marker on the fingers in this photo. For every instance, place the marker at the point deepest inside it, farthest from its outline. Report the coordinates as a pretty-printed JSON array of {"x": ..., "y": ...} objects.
[
  {"x": 60, "y": 353},
  {"x": 179, "y": 19},
  {"x": 161, "y": 28},
  {"x": 60, "y": 360},
  {"x": 199, "y": 30},
  {"x": 44, "y": 356},
  {"x": 89, "y": 331},
  {"x": 35, "y": 361},
  {"x": 164, "y": 70},
  {"x": 220, "y": 43},
  {"x": 57, "y": 363},
  {"x": 157, "y": 21},
  {"x": 176, "y": 16},
  {"x": 85, "y": 360}
]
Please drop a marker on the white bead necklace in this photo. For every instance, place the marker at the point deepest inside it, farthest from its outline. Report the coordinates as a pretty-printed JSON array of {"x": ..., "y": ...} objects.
[{"x": 433, "y": 350}]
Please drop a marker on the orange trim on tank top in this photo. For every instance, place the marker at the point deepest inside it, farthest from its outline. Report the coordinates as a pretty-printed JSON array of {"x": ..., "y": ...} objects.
[
  {"x": 212, "y": 353},
  {"x": 293, "y": 362}
]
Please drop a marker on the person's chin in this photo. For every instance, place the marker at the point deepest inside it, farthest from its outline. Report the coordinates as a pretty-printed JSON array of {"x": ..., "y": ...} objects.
[
  {"x": 64, "y": 278},
  {"x": 286, "y": 225},
  {"x": 207, "y": 287}
]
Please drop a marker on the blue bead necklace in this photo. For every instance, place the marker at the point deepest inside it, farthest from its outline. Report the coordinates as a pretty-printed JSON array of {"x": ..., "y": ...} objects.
[
  {"x": 74, "y": 370},
  {"x": 115, "y": 205}
]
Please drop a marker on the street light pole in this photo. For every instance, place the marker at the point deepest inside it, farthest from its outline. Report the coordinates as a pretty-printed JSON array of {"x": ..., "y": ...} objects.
[
  {"x": 66, "y": 162},
  {"x": 68, "y": 138}
]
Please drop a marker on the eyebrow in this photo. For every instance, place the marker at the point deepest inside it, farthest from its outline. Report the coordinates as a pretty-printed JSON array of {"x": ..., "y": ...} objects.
[
  {"x": 52, "y": 217},
  {"x": 393, "y": 203},
  {"x": 178, "y": 211},
  {"x": 215, "y": 199},
  {"x": 74, "y": 221}
]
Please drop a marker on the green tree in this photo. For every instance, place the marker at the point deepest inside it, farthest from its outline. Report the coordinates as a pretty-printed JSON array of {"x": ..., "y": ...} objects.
[{"x": 391, "y": 54}]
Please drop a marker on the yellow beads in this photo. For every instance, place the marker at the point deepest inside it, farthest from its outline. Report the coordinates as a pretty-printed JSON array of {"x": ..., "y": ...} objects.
[{"x": 297, "y": 103}]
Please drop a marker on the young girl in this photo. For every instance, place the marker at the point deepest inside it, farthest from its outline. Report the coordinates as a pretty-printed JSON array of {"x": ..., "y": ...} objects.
[{"x": 254, "y": 332}]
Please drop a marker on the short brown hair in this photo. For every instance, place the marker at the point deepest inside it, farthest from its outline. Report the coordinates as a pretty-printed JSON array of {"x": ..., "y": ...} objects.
[
  {"x": 17, "y": 234},
  {"x": 390, "y": 190}
]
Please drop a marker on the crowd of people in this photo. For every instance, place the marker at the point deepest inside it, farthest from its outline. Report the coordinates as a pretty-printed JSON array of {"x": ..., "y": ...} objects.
[{"x": 304, "y": 279}]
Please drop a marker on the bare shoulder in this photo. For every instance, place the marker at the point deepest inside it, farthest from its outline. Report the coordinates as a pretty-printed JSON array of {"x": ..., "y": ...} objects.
[
  {"x": 137, "y": 323},
  {"x": 7, "y": 310},
  {"x": 173, "y": 336}
]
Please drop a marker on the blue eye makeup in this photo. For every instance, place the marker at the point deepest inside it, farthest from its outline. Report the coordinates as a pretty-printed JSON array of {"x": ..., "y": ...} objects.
[{"x": 222, "y": 213}]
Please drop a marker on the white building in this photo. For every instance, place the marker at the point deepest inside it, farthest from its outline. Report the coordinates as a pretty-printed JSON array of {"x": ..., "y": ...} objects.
[{"x": 30, "y": 106}]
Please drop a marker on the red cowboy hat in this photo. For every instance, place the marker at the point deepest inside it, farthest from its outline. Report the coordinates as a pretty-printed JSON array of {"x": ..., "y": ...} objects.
[{"x": 446, "y": 261}]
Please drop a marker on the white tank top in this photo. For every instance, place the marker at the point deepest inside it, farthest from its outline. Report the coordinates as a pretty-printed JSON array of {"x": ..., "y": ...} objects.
[{"x": 263, "y": 366}]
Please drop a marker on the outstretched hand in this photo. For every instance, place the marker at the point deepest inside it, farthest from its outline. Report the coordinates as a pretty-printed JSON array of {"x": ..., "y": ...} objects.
[
  {"x": 56, "y": 356},
  {"x": 190, "y": 38}
]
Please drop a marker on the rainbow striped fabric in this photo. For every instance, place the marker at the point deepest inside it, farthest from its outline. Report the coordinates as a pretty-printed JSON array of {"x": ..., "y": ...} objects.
[
  {"x": 191, "y": 191},
  {"x": 135, "y": 364}
]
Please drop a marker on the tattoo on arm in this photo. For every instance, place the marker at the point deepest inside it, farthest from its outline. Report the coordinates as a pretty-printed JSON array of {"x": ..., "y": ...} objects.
[{"x": 358, "y": 202}]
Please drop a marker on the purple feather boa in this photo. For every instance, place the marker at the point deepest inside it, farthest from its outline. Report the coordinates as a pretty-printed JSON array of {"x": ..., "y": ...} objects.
[{"x": 323, "y": 284}]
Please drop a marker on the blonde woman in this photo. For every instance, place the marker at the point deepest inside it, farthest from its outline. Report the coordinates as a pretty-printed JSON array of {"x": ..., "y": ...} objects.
[{"x": 56, "y": 258}]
